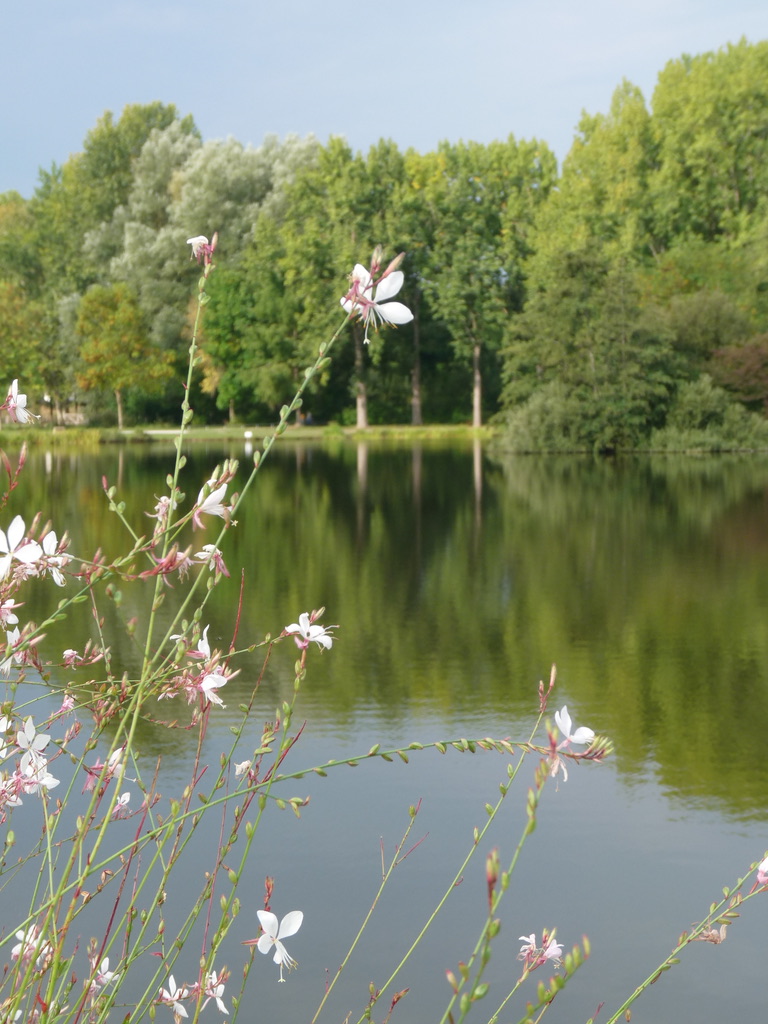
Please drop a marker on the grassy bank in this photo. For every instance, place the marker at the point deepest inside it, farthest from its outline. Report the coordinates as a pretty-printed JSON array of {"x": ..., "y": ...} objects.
[{"x": 12, "y": 438}]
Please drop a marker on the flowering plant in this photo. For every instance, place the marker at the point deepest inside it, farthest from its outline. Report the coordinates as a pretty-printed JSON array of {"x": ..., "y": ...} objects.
[{"x": 111, "y": 843}]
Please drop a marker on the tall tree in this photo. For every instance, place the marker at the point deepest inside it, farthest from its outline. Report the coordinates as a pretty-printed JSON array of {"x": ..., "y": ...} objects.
[
  {"x": 710, "y": 125},
  {"x": 602, "y": 194},
  {"x": 115, "y": 351},
  {"x": 584, "y": 366},
  {"x": 306, "y": 242},
  {"x": 76, "y": 198},
  {"x": 484, "y": 199}
]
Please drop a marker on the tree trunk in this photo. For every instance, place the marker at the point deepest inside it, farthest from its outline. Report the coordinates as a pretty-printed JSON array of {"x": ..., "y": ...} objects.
[
  {"x": 361, "y": 406},
  {"x": 361, "y": 395},
  {"x": 416, "y": 412},
  {"x": 119, "y": 400},
  {"x": 477, "y": 387}
]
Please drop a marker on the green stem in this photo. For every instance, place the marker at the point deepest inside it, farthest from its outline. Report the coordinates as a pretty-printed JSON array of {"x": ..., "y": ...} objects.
[
  {"x": 385, "y": 878},
  {"x": 512, "y": 773},
  {"x": 731, "y": 898}
]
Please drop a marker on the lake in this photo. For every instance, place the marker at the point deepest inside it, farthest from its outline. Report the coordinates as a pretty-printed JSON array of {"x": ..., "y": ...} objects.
[{"x": 456, "y": 580}]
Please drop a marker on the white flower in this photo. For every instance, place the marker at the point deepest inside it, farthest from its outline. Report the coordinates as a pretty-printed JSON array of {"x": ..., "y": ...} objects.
[
  {"x": 305, "y": 631},
  {"x": 210, "y": 505},
  {"x": 9, "y": 793},
  {"x": 241, "y": 767},
  {"x": 32, "y": 743},
  {"x": 34, "y": 776},
  {"x": 198, "y": 243},
  {"x": 172, "y": 995},
  {"x": 564, "y": 724},
  {"x": 31, "y": 944},
  {"x": 535, "y": 957},
  {"x": 210, "y": 683},
  {"x": 371, "y": 300},
  {"x": 104, "y": 975},
  {"x": 11, "y": 547},
  {"x": 203, "y": 647},
  {"x": 12, "y": 637},
  {"x": 113, "y": 761},
  {"x": 54, "y": 563},
  {"x": 214, "y": 989},
  {"x": 213, "y": 558},
  {"x": 762, "y": 872},
  {"x": 7, "y": 613},
  {"x": 273, "y": 936},
  {"x": 120, "y": 809},
  {"x": 17, "y": 405}
]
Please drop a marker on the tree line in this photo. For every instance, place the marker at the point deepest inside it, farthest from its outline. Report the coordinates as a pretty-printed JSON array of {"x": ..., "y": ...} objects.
[{"x": 618, "y": 301}]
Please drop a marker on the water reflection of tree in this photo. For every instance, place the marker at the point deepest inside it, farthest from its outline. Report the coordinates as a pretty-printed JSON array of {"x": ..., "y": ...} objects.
[
  {"x": 645, "y": 580},
  {"x": 664, "y": 631}
]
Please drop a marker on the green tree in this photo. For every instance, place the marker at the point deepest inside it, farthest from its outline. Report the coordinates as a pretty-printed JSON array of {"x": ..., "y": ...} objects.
[
  {"x": 483, "y": 200},
  {"x": 115, "y": 352},
  {"x": 21, "y": 327},
  {"x": 602, "y": 195},
  {"x": 709, "y": 126},
  {"x": 252, "y": 354},
  {"x": 19, "y": 257},
  {"x": 585, "y": 366},
  {"x": 305, "y": 244},
  {"x": 76, "y": 198}
]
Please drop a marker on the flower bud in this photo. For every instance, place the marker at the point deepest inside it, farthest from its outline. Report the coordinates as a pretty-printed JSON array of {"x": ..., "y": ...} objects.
[
  {"x": 395, "y": 264},
  {"x": 376, "y": 257}
]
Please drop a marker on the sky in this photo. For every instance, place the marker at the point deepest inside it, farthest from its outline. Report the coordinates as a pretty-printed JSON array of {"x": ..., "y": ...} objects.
[{"x": 415, "y": 71}]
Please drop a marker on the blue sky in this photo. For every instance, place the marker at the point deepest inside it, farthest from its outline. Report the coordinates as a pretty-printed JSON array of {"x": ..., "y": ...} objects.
[{"x": 416, "y": 71}]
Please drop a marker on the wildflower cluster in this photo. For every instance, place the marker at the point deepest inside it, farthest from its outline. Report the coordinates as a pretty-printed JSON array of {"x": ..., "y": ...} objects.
[
  {"x": 535, "y": 956},
  {"x": 210, "y": 988},
  {"x": 193, "y": 668},
  {"x": 22, "y": 557},
  {"x": 168, "y": 559},
  {"x": 200, "y": 684}
]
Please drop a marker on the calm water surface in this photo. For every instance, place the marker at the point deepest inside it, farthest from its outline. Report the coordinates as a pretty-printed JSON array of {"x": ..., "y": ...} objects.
[{"x": 456, "y": 581}]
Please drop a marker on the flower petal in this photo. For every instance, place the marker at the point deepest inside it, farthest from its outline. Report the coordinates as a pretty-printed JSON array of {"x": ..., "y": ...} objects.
[
  {"x": 583, "y": 735},
  {"x": 563, "y": 721},
  {"x": 390, "y": 286},
  {"x": 29, "y": 553},
  {"x": 15, "y": 532},
  {"x": 362, "y": 276},
  {"x": 291, "y": 923},
  {"x": 268, "y": 923},
  {"x": 394, "y": 313}
]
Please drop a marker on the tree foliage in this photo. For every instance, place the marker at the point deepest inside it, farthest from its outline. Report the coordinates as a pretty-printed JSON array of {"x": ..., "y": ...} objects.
[
  {"x": 577, "y": 306},
  {"x": 115, "y": 352}
]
